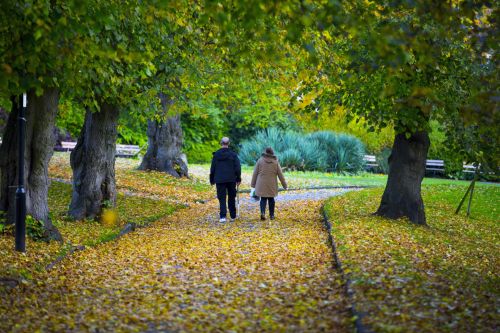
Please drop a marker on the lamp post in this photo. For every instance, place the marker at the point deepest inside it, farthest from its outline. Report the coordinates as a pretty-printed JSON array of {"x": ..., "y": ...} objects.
[{"x": 20, "y": 192}]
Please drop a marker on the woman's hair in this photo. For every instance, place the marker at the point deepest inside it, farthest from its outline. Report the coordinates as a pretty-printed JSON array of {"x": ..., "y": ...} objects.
[{"x": 269, "y": 151}]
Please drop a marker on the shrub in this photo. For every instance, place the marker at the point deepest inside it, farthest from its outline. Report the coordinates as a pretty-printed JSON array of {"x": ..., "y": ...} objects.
[
  {"x": 315, "y": 158},
  {"x": 201, "y": 153},
  {"x": 250, "y": 151},
  {"x": 34, "y": 228},
  {"x": 348, "y": 153},
  {"x": 334, "y": 120},
  {"x": 292, "y": 159},
  {"x": 323, "y": 151}
]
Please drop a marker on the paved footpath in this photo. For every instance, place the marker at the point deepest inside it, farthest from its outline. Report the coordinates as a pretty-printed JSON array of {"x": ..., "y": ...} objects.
[{"x": 189, "y": 273}]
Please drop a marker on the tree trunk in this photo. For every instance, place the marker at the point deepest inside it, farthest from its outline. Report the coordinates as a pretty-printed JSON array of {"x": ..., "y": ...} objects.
[
  {"x": 40, "y": 140},
  {"x": 4, "y": 116},
  {"x": 402, "y": 195},
  {"x": 93, "y": 164},
  {"x": 164, "y": 145},
  {"x": 8, "y": 165}
]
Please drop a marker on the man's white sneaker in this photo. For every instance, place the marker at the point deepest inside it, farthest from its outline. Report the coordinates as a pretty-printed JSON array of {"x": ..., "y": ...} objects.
[
  {"x": 232, "y": 219},
  {"x": 222, "y": 220}
]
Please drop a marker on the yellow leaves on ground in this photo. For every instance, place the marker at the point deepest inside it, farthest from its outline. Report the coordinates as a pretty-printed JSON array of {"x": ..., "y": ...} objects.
[
  {"x": 407, "y": 278},
  {"x": 136, "y": 207},
  {"x": 187, "y": 272}
]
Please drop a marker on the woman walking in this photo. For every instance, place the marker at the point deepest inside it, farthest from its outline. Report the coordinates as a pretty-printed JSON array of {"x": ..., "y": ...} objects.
[{"x": 264, "y": 180}]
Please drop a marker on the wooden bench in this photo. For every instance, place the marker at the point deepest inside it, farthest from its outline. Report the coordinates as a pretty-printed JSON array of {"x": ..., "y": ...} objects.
[
  {"x": 434, "y": 165},
  {"x": 430, "y": 165},
  {"x": 469, "y": 168},
  {"x": 121, "y": 150},
  {"x": 67, "y": 145},
  {"x": 371, "y": 161},
  {"x": 127, "y": 150}
]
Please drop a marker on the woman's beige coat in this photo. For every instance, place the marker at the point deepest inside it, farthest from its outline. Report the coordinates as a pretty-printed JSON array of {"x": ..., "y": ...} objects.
[{"x": 264, "y": 176}]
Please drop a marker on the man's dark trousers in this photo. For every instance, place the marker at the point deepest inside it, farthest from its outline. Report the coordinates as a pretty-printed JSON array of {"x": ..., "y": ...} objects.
[{"x": 227, "y": 190}]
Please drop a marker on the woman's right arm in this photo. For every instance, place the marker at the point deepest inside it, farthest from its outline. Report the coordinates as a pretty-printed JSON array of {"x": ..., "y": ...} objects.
[{"x": 282, "y": 178}]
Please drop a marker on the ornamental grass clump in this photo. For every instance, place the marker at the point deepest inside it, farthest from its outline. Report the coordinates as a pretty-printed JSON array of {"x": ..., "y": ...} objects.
[
  {"x": 348, "y": 154},
  {"x": 319, "y": 151}
]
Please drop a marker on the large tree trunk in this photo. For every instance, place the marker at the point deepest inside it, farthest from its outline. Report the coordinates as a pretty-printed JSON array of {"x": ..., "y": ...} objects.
[
  {"x": 402, "y": 197},
  {"x": 8, "y": 165},
  {"x": 164, "y": 145},
  {"x": 93, "y": 164},
  {"x": 40, "y": 140}
]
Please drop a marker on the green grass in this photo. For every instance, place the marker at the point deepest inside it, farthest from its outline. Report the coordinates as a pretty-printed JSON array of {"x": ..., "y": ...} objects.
[
  {"x": 301, "y": 179},
  {"x": 410, "y": 278},
  {"x": 485, "y": 199},
  {"x": 130, "y": 209}
]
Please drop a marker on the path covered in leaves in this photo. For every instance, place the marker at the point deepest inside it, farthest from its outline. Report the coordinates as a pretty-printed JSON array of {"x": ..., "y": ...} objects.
[{"x": 188, "y": 272}]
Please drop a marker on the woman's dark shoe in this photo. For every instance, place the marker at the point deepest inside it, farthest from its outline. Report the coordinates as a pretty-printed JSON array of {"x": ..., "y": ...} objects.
[
  {"x": 272, "y": 217},
  {"x": 262, "y": 217}
]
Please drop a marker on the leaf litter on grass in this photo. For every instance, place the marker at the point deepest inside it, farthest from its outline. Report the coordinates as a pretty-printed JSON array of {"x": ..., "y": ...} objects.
[{"x": 409, "y": 278}]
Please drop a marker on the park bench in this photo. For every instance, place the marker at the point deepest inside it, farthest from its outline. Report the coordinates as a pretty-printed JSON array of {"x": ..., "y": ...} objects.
[
  {"x": 127, "y": 150},
  {"x": 121, "y": 150},
  {"x": 371, "y": 161},
  {"x": 67, "y": 145},
  {"x": 469, "y": 168},
  {"x": 434, "y": 166}
]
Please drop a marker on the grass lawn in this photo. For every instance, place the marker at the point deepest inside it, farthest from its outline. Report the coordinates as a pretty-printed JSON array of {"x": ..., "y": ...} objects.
[
  {"x": 409, "y": 278},
  {"x": 147, "y": 183},
  {"x": 300, "y": 179},
  {"x": 144, "y": 197},
  {"x": 129, "y": 209}
]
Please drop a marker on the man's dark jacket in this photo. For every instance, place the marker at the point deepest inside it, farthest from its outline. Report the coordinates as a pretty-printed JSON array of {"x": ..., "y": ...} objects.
[{"x": 226, "y": 167}]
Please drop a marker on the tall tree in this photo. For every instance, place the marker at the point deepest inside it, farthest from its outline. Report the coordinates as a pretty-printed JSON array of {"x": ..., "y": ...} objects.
[
  {"x": 34, "y": 54},
  {"x": 426, "y": 75},
  {"x": 113, "y": 69},
  {"x": 403, "y": 64},
  {"x": 165, "y": 143}
]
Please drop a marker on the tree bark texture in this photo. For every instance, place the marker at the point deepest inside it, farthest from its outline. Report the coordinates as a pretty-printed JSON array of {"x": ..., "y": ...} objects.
[
  {"x": 93, "y": 164},
  {"x": 40, "y": 121},
  {"x": 165, "y": 145},
  {"x": 402, "y": 194}
]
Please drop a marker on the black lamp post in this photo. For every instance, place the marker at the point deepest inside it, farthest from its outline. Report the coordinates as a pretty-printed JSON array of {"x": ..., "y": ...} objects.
[{"x": 20, "y": 192}]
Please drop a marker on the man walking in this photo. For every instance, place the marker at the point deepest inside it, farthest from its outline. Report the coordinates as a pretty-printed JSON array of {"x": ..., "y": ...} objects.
[{"x": 225, "y": 173}]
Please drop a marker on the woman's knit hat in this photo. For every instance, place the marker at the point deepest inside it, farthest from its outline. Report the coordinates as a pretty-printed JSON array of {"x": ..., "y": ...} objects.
[{"x": 269, "y": 151}]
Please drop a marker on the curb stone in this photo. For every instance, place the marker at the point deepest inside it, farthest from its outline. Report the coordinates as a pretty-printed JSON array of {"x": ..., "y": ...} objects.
[
  {"x": 60, "y": 258},
  {"x": 127, "y": 228},
  {"x": 318, "y": 188},
  {"x": 358, "y": 322}
]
